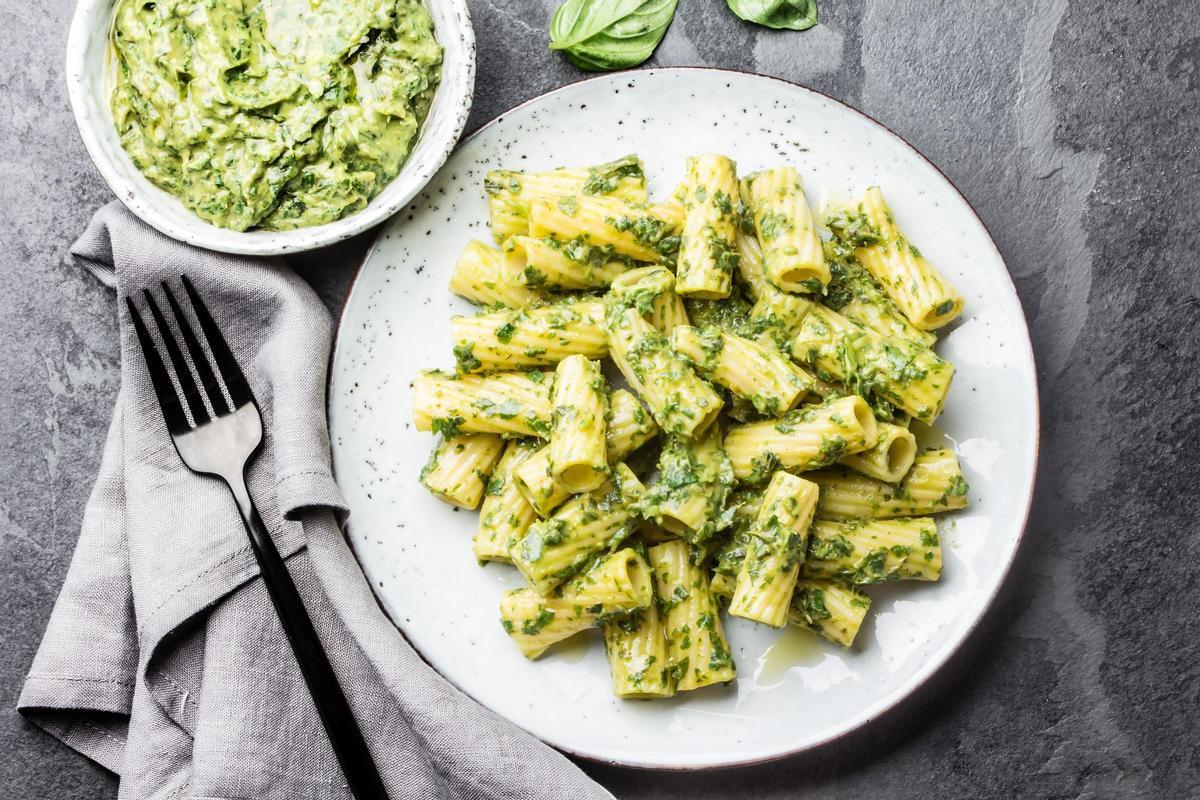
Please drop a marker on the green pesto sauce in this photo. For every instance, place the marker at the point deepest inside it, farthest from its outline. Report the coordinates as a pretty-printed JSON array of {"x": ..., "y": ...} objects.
[{"x": 276, "y": 114}]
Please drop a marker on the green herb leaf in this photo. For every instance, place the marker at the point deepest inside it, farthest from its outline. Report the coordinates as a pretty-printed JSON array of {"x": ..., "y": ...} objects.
[
  {"x": 796, "y": 15},
  {"x": 603, "y": 35}
]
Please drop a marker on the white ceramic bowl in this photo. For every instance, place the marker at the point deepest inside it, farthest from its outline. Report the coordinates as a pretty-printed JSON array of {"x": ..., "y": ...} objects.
[{"x": 88, "y": 84}]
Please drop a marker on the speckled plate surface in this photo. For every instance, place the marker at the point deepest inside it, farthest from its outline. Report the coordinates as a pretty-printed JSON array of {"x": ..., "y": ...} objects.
[{"x": 794, "y": 691}]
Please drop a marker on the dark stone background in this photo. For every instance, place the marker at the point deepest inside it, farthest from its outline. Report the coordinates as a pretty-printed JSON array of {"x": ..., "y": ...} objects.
[{"x": 1071, "y": 126}]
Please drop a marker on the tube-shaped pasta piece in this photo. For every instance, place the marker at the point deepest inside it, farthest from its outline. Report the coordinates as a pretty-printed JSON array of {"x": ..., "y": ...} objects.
[
  {"x": 531, "y": 337},
  {"x": 510, "y": 192},
  {"x": 778, "y": 316},
  {"x": 776, "y": 547},
  {"x": 854, "y": 295},
  {"x": 723, "y": 585},
  {"x": 512, "y": 403},
  {"x": 459, "y": 466},
  {"x": 793, "y": 257},
  {"x": 889, "y": 458},
  {"x": 616, "y": 584},
  {"x": 827, "y": 608},
  {"x": 925, "y": 297},
  {"x": 679, "y": 400},
  {"x": 699, "y": 652},
  {"x": 874, "y": 551},
  {"x": 627, "y": 428},
  {"x": 695, "y": 478},
  {"x": 554, "y": 549},
  {"x": 481, "y": 276},
  {"x": 904, "y": 374},
  {"x": 708, "y": 252},
  {"x": 562, "y": 265},
  {"x": 578, "y": 449},
  {"x": 750, "y": 269},
  {"x": 641, "y": 231},
  {"x": 636, "y": 645},
  {"x": 505, "y": 514},
  {"x": 651, "y": 290},
  {"x": 934, "y": 484},
  {"x": 810, "y": 437},
  {"x": 751, "y": 370}
]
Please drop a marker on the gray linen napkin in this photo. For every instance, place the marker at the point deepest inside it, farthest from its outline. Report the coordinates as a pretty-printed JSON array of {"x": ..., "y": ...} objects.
[{"x": 164, "y": 661}]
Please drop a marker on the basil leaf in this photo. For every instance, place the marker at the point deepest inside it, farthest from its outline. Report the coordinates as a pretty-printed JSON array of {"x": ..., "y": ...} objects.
[
  {"x": 602, "y": 35},
  {"x": 796, "y": 15}
]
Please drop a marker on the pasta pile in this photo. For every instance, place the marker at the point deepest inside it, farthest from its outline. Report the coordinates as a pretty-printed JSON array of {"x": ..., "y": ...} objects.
[{"x": 760, "y": 460}]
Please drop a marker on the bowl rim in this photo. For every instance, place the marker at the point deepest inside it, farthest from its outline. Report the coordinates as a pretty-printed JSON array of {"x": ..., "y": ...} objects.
[
  {"x": 460, "y": 82},
  {"x": 938, "y": 661}
]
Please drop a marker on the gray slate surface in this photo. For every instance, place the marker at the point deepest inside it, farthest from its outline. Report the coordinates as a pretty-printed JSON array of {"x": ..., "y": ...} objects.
[{"x": 1071, "y": 126}]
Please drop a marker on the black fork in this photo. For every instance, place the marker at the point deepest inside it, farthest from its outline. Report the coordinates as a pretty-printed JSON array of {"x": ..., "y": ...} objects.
[{"x": 217, "y": 431}]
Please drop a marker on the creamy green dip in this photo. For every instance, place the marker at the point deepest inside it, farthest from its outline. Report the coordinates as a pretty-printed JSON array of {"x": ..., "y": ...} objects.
[{"x": 275, "y": 114}]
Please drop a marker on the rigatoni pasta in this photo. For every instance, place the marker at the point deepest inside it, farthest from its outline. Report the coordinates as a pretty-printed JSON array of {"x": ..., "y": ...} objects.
[
  {"x": 510, "y": 192},
  {"x": 459, "y": 467},
  {"x": 776, "y": 545},
  {"x": 793, "y": 258},
  {"x": 505, "y": 514},
  {"x": 578, "y": 449},
  {"x": 530, "y": 337},
  {"x": 708, "y": 250},
  {"x": 482, "y": 276},
  {"x": 925, "y": 297},
  {"x": 768, "y": 377}
]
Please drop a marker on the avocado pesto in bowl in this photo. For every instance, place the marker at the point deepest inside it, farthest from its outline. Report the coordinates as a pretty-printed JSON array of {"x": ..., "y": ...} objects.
[
  {"x": 257, "y": 109},
  {"x": 277, "y": 115}
]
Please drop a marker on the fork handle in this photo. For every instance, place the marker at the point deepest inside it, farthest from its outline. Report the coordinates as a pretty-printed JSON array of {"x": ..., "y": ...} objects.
[{"x": 348, "y": 744}]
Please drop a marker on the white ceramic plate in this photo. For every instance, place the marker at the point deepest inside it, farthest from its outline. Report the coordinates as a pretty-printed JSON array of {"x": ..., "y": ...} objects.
[
  {"x": 88, "y": 82},
  {"x": 793, "y": 691}
]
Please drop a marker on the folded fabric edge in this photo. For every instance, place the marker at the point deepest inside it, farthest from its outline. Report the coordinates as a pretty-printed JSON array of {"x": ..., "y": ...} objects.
[{"x": 89, "y": 715}]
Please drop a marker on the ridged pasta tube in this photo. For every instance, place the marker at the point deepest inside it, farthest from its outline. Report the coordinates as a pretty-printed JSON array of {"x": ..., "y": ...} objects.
[
  {"x": 808, "y": 438},
  {"x": 679, "y": 400},
  {"x": 575, "y": 264},
  {"x": 889, "y": 458},
  {"x": 627, "y": 428},
  {"x": 874, "y": 551},
  {"x": 481, "y": 276},
  {"x": 854, "y": 295},
  {"x": 793, "y": 257},
  {"x": 775, "y": 549},
  {"x": 778, "y": 316},
  {"x": 645, "y": 232},
  {"x": 510, "y": 192},
  {"x": 925, "y": 297},
  {"x": 699, "y": 652},
  {"x": 505, "y": 514},
  {"x": 510, "y": 403},
  {"x": 651, "y": 290},
  {"x": 636, "y": 646},
  {"x": 694, "y": 480},
  {"x": 617, "y": 584},
  {"x": 753, "y": 371},
  {"x": 827, "y": 608},
  {"x": 554, "y": 549},
  {"x": 750, "y": 268},
  {"x": 708, "y": 252},
  {"x": 459, "y": 466},
  {"x": 911, "y": 377},
  {"x": 578, "y": 449},
  {"x": 530, "y": 337},
  {"x": 934, "y": 484}
]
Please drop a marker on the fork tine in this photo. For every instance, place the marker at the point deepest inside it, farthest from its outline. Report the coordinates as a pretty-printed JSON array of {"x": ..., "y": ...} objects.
[
  {"x": 207, "y": 379},
  {"x": 167, "y": 398},
  {"x": 235, "y": 381},
  {"x": 186, "y": 382}
]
